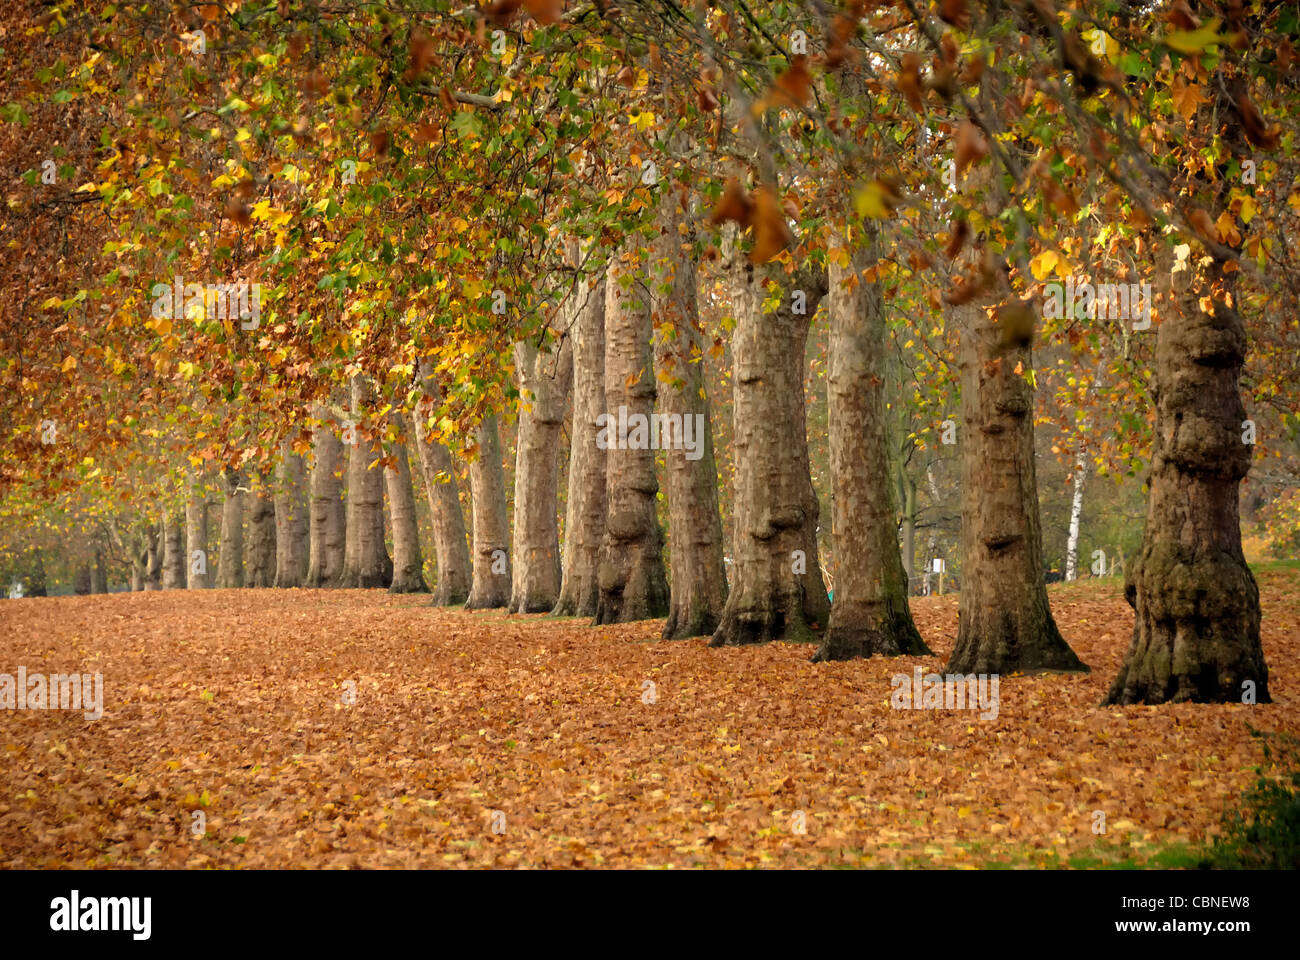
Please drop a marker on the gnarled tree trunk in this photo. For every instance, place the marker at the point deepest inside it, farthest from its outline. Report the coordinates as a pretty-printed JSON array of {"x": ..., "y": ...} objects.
[
  {"x": 869, "y": 614},
  {"x": 328, "y": 521},
  {"x": 544, "y": 378},
  {"x": 154, "y": 557},
  {"x": 291, "y": 519},
  {"x": 408, "y": 558},
  {"x": 777, "y": 591},
  {"x": 1004, "y": 623},
  {"x": 584, "y": 523},
  {"x": 630, "y": 574},
  {"x": 698, "y": 586},
  {"x": 449, "y": 539},
  {"x": 491, "y": 557},
  {"x": 1197, "y": 631}
]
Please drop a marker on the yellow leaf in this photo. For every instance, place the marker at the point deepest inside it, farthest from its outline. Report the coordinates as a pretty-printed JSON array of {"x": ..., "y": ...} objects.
[
  {"x": 1194, "y": 41},
  {"x": 875, "y": 200},
  {"x": 1044, "y": 264},
  {"x": 69, "y": 363}
]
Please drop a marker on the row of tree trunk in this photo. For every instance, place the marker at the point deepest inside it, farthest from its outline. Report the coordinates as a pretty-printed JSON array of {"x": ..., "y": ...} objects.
[{"x": 631, "y": 348}]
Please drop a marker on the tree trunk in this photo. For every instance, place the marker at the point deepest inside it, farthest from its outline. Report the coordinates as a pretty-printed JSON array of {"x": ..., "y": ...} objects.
[
  {"x": 365, "y": 561},
  {"x": 584, "y": 521},
  {"x": 1076, "y": 513},
  {"x": 154, "y": 555},
  {"x": 36, "y": 583},
  {"x": 630, "y": 574},
  {"x": 81, "y": 579},
  {"x": 491, "y": 582},
  {"x": 328, "y": 527},
  {"x": 197, "y": 576},
  {"x": 230, "y": 556},
  {"x": 907, "y": 491},
  {"x": 1197, "y": 631},
  {"x": 173, "y": 562},
  {"x": 869, "y": 614},
  {"x": 99, "y": 572},
  {"x": 698, "y": 586},
  {"x": 140, "y": 558},
  {"x": 291, "y": 519},
  {"x": 1004, "y": 622},
  {"x": 408, "y": 559},
  {"x": 440, "y": 487},
  {"x": 544, "y": 378},
  {"x": 777, "y": 591},
  {"x": 259, "y": 565}
]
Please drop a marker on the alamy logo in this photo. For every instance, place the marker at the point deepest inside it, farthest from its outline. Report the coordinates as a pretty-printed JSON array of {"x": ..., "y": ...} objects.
[
  {"x": 58, "y": 691},
  {"x": 952, "y": 692},
  {"x": 1114, "y": 301},
  {"x": 102, "y": 913},
  {"x": 213, "y": 301},
  {"x": 656, "y": 431}
]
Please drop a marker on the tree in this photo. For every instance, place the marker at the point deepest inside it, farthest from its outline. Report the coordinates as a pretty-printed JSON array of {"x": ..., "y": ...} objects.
[
  {"x": 365, "y": 560},
  {"x": 439, "y": 474},
  {"x": 292, "y": 526},
  {"x": 869, "y": 613},
  {"x": 545, "y": 375},
  {"x": 408, "y": 559},
  {"x": 230, "y": 558},
  {"x": 328, "y": 520},
  {"x": 698, "y": 588},
  {"x": 1004, "y": 623},
  {"x": 630, "y": 573},
  {"x": 197, "y": 576},
  {"x": 1196, "y": 636},
  {"x": 777, "y": 591},
  {"x": 173, "y": 558},
  {"x": 490, "y": 586},
  {"x": 584, "y": 523},
  {"x": 259, "y": 560}
]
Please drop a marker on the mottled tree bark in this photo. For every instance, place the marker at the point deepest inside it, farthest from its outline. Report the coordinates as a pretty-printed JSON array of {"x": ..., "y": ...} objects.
[
  {"x": 698, "y": 585},
  {"x": 173, "y": 561},
  {"x": 365, "y": 560},
  {"x": 491, "y": 554},
  {"x": 630, "y": 574},
  {"x": 869, "y": 614},
  {"x": 230, "y": 556},
  {"x": 1196, "y": 636},
  {"x": 545, "y": 375},
  {"x": 196, "y": 539},
  {"x": 259, "y": 562},
  {"x": 1004, "y": 623},
  {"x": 328, "y": 520},
  {"x": 408, "y": 558},
  {"x": 584, "y": 523},
  {"x": 440, "y": 487},
  {"x": 777, "y": 591},
  {"x": 292, "y": 519}
]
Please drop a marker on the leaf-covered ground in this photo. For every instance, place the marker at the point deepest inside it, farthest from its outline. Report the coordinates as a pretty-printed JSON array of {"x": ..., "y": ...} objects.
[{"x": 232, "y": 703}]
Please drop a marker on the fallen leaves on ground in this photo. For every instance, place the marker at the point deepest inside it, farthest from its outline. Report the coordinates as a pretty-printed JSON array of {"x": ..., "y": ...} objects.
[{"x": 355, "y": 729}]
